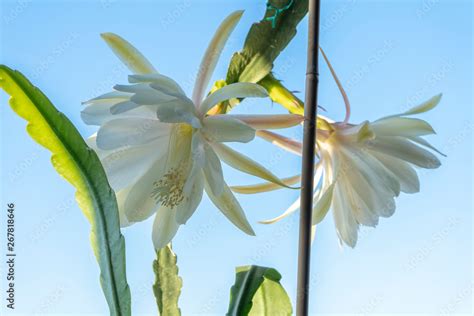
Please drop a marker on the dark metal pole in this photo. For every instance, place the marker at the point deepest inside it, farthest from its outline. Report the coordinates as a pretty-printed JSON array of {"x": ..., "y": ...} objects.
[{"x": 309, "y": 140}]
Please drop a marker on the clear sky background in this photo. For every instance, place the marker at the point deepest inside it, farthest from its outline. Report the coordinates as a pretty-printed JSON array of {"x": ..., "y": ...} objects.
[{"x": 389, "y": 55}]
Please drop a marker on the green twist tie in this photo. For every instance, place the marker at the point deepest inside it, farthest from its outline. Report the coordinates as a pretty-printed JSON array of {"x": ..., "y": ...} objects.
[{"x": 277, "y": 12}]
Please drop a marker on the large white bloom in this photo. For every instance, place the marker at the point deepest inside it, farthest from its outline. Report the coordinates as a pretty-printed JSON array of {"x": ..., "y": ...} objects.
[
  {"x": 361, "y": 168},
  {"x": 159, "y": 148}
]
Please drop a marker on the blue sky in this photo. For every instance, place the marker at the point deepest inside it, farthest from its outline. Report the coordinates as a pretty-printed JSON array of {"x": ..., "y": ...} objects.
[{"x": 389, "y": 55}]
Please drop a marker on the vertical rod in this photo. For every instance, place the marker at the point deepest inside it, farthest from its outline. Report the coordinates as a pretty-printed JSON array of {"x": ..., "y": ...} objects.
[{"x": 309, "y": 140}]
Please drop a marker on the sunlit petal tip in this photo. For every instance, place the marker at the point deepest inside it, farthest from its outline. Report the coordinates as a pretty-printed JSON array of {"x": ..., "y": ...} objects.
[{"x": 128, "y": 54}]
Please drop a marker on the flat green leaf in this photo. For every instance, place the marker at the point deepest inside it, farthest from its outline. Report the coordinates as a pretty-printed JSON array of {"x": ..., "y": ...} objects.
[
  {"x": 257, "y": 292},
  {"x": 265, "y": 41},
  {"x": 168, "y": 284},
  {"x": 81, "y": 167}
]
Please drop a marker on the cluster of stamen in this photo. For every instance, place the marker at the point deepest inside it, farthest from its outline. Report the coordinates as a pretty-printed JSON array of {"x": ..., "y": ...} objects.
[{"x": 168, "y": 191}]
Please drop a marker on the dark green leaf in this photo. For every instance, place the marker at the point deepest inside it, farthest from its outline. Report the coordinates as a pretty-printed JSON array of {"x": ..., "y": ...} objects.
[{"x": 257, "y": 291}]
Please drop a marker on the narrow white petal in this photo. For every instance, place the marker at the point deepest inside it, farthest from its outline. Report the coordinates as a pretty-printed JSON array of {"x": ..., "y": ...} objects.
[
  {"x": 230, "y": 207},
  {"x": 245, "y": 164},
  {"x": 234, "y": 90},
  {"x": 213, "y": 171},
  {"x": 212, "y": 55},
  {"x": 266, "y": 186},
  {"x": 293, "y": 207},
  {"x": 223, "y": 128},
  {"x": 269, "y": 121},
  {"x": 288, "y": 144},
  {"x": 128, "y": 54}
]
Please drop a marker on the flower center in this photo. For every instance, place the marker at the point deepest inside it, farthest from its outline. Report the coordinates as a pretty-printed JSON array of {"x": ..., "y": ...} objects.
[{"x": 168, "y": 191}]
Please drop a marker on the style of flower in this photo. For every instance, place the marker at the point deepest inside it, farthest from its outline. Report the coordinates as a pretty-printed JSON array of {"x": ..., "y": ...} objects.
[
  {"x": 361, "y": 167},
  {"x": 161, "y": 150}
]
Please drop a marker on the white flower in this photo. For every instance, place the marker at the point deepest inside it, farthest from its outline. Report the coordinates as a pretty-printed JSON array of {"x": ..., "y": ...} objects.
[
  {"x": 361, "y": 168},
  {"x": 159, "y": 148}
]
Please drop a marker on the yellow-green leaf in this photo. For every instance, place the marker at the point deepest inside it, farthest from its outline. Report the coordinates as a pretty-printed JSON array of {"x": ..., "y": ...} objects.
[{"x": 81, "y": 167}]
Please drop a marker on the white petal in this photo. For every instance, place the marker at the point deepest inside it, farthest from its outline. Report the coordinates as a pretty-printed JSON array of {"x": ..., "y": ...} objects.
[
  {"x": 230, "y": 207},
  {"x": 425, "y": 143},
  {"x": 322, "y": 205},
  {"x": 130, "y": 132},
  {"x": 173, "y": 169},
  {"x": 357, "y": 133},
  {"x": 371, "y": 168},
  {"x": 223, "y": 128},
  {"x": 425, "y": 106},
  {"x": 213, "y": 172},
  {"x": 234, "y": 90},
  {"x": 378, "y": 198},
  {"x": 121, "y": 197},
  {"x": 269, "y": 121},
  {"x": 125, "y": 165},
  {"x": 406, "y": 175},
  {"x": 98, "y": 114},
  {"x": 401, "y": 126},
  {"x": 128, "y": 54},
  {"x": 288, "y": 144},
  {"x": 124, "y": 106},
  {"x": 212, "y": 55},
  {"x": 115, "y": 96},
  {"x": 157, "y": 79},
  {"x": 140, "y": 203},
  {"x": 193, "y": 190},
  {"x": 404, "y": 149},
  {"x": 177, "y": 111},
  {"x": 245, "y": 164},
  {"x": 165, "y": 227},
  {"x": 346, "y": 225},
  {"x": 357, "y": 205}
]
